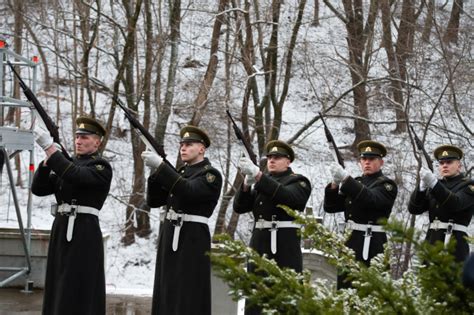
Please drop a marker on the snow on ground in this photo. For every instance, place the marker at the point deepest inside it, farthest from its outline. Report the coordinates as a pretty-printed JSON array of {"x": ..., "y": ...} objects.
[{"x": 316, "y": 80}]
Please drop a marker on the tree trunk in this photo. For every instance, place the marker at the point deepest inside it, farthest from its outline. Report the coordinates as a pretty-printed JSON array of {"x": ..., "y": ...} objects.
[
  {"x": 356, "y": 41},
  {"x": 143, "y": 216},
  {"x": 200, "y": 103},
  {"x": 394, "y": 70},
  {"x": 226, "y": 198},
  {"x": 425, "y": 36},
  {"x": 315, "y": 21},
  {"x": 125, "y": 75},
  {"x": 174, "y": 38},
  {"x": 452, "y": 30},
  {"x": 18, "y": 44}
]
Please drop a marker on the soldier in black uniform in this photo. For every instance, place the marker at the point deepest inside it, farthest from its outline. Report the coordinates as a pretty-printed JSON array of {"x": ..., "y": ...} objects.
[
  {"x": 468, "y": 273},
  {"x": 449, "y": 201},
  {"x": 365, "y": 200},
  {"x": 274, "y": 232},
  {"x": 75, "y": 280},
  {"x": 183, "y": 269}
]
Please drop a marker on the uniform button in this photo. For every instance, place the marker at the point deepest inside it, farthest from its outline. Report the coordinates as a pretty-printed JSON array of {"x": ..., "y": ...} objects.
[
  {"x": 171, "y": 195},
  {"x": 260, "y": 202},
  {"x": 182, "y": 171},
  {"x": 350, "y": 202},
  {"x": 350, "y": 215}
]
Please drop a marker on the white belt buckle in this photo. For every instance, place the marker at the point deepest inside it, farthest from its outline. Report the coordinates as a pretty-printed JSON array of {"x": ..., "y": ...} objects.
[
  {"x": 435, "y": 225},
  {"x": 260, "y": 223},
  {"x": 341, "y": 227}
]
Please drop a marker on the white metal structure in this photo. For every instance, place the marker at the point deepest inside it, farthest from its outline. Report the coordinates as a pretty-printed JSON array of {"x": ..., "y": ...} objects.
[{"x": 13, "y": 140}]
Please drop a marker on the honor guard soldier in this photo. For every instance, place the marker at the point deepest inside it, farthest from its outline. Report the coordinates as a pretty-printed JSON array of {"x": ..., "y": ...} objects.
[
  {"x": 365, "y": 200},
  {"x": 274, "y": 233},
  {"x": 183, "y": 269},
  {"x": 75, "y": 280},
  {"x": 468, "y": 273},
  {"x": 449, "y": 200}
]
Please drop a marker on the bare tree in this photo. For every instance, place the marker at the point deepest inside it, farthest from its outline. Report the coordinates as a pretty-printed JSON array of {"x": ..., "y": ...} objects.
[
  {"x": 174, "y": 38},
  {"x": 88, "y": 33},
  {"x": 394, "y": 69},
  {"x": 14, "y": 114},
  {"x": 425, "y": 36},
  {"x": 270, "y": 101},
  {"x": 200, "y": 103},
  {"x": 315, "y": 21},
  {"x": 359, "y": 43},
  {"x": 452, "y": 30}
]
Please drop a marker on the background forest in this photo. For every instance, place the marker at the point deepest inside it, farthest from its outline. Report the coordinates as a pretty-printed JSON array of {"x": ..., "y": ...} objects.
[{"x": 369, "y": 66}]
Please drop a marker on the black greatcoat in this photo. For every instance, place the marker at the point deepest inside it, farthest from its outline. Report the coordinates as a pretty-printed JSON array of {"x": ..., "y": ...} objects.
[
  {"x": 285, "y": 188},
  {"x": 364, "y": 200},
  {"x": 451, "y": 199},
  {"x": 183, "y": 277},
  {"x": 75, "y": 279}
]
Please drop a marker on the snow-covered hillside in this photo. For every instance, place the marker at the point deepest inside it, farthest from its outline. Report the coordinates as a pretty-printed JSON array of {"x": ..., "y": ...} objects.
[{"x": 319, "y": 77}]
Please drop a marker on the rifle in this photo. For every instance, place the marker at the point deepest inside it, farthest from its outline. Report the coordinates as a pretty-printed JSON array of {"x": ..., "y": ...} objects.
[
  {"x": 47, "y": 121},
  {"x": 332, "y": 144},
  {"x": 238, "y": 133},
  {"x": 421, "y": 148},
  {"x": 146, "y": 137}
]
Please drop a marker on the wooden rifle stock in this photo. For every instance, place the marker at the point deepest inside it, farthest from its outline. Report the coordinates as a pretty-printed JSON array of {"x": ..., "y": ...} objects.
[
  {"x": 48, "y": 122},
  {"x": 332, "y": 143},
  {"x": 238, "y": 133}
]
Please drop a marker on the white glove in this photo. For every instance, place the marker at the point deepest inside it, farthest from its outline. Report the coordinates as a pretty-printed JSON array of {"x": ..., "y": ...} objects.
[
  {"x": 43, "y": 139},
  {"x": 338, "y": 173},
  {"x": 428, "y": 179},
  {"x": 247, "y": 167},
  {"x": 151, "y": 159},
  {"x": 422, "y": 185},
  {"x": 249, "y": 180}
]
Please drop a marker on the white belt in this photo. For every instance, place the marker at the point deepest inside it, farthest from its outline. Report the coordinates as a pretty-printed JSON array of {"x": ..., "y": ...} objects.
[
  {"x": 368, "y": 229},
  {"x": 72, "y": 211},
  {"x": 274, "y": 226},
  {"x": 449, "y": 227},
  {"x": 178, "y": 219}
]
